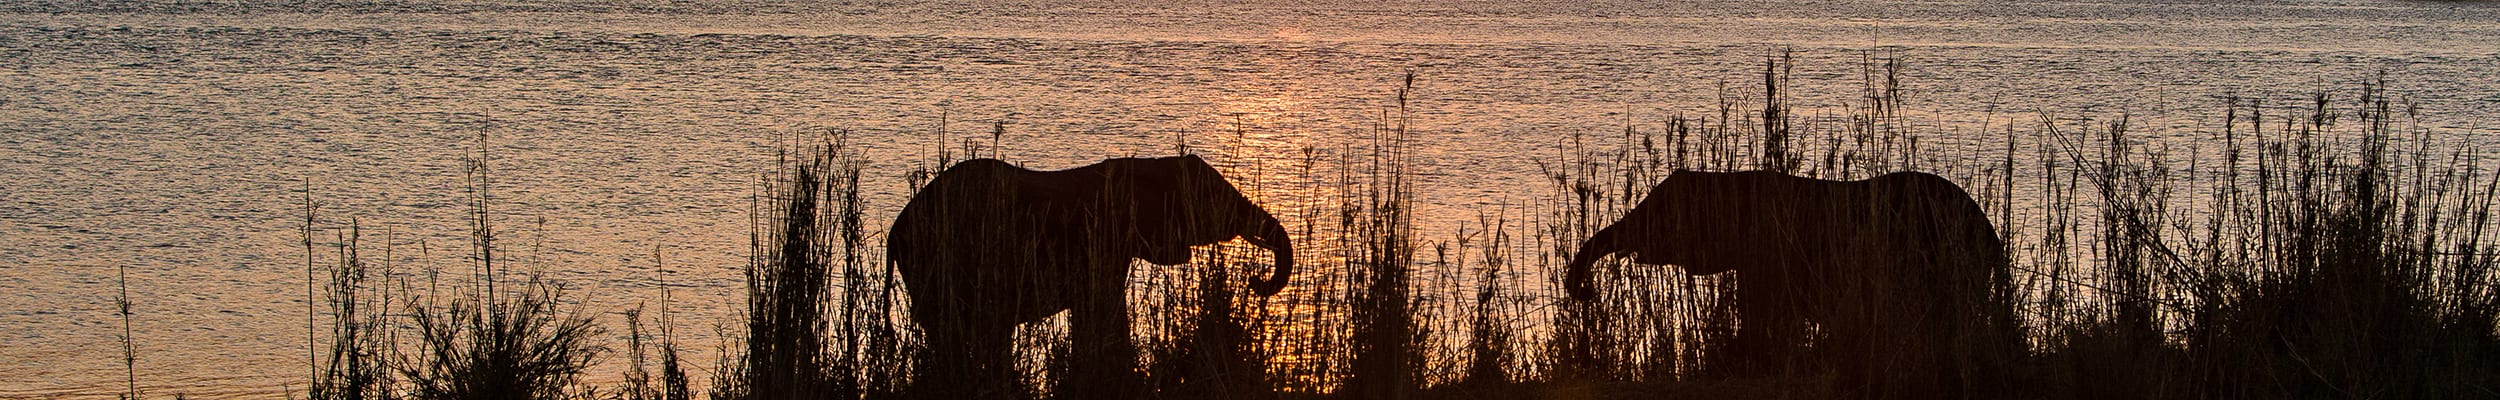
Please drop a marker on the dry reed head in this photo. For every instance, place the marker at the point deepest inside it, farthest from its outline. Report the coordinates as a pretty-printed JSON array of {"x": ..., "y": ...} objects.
[{"x": 2324, "y": 256}]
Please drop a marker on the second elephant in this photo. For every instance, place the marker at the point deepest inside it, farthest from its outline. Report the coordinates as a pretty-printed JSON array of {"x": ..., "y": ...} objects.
[{"x": 1898, "y": 284}]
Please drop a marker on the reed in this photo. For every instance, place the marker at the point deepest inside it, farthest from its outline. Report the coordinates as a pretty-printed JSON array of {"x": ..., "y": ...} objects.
[
  {"x": 1200, "y": 330},
  {"x": 1202, "y": 344},
  {"x": 502, "y": 337},
  {"x": 2323, "y": 250},
  {"x": 496, "y": 339},
  {"x": 2322, "y": 263},
  {"x": 639, "y": 382},
  {"x": 808, "y": 335},
  {"x": 361, "y": 343},
  {"x": 1388, "y": 345},
  {"x": 2314, "y": 259},
  {"x": 2338, "y": 258},
  {"x": 130, "y": 344}
]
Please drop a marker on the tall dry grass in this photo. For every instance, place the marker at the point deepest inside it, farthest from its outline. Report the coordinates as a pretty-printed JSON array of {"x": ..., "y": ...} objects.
[
  {"x": 2327, "y": 249},
  {"x": 503, "y": 335},
  {"x": 507, "y": 335},
  {"x": 821, "y": 316},
  {"x": 2330, "y": 251}
]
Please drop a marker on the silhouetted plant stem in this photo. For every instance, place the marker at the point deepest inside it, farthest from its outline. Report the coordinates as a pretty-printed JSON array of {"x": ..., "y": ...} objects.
[{"x": 130, "y": 347}]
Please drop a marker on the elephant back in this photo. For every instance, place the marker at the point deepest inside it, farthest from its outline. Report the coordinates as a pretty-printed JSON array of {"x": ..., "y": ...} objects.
[
  {"x": 1961, "y": 261},
  {"x": 1943, "y": 234},
  {"x": 988, "y": 235},
  {"x": 918, "y": 229}
]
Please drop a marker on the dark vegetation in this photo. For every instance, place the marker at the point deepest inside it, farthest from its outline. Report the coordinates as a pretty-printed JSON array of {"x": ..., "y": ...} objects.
[
  {"x": 807, "y": 333},
  {"x": 502, "y": 336},
  {"x": 2327, "y": 250}
]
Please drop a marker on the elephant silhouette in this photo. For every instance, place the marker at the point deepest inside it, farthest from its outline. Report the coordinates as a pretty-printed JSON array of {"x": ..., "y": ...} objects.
[
  {"x": 1897, "y": 283},
  {"x": 985, "y": 246}
]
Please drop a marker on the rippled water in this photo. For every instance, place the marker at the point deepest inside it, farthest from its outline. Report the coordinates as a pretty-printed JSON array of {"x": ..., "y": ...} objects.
[{"x": 178, "y": 138}]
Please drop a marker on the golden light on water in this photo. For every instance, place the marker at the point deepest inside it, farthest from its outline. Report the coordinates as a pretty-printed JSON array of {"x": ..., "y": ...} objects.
[{"x": 1291, "y": 34}]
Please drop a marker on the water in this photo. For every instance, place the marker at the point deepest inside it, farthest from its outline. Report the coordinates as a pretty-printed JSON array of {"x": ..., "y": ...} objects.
[{"x": 178, "y": 138}]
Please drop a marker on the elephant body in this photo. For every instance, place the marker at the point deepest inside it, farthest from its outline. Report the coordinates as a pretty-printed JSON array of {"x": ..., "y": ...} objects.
[
  {"x": 985, "y": 246},
  {"x": 1897, "y": 283}
]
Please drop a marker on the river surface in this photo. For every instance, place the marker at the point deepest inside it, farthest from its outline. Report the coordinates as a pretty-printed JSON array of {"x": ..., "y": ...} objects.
[{"x": 179, "y": 138}]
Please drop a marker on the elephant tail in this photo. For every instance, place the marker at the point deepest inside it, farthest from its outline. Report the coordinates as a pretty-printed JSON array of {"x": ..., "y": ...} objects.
[{"x": 899, "y": 240}]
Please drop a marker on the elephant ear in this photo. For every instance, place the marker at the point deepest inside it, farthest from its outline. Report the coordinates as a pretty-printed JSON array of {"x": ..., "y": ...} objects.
[
  {"x": 1164, "y": 255},
  {"x": 1683, "y": 219},
  {"x": 1156, "y": 216}
]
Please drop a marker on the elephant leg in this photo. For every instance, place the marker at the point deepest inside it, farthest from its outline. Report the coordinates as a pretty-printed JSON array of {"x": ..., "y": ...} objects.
[
  {"x": 945, "y": 354},
  {"x": 946, "y": 362},
  {"x": 966, "y": 361},
  {"x": 995, "y": 361},
  {"x": 1854, "y": 324},
  {"x": 1770, "y": 329},
  {"x": 968, "y": 356},
  {"x": 1910, "y": 352},
  {"x": 1104, "y": 361}
]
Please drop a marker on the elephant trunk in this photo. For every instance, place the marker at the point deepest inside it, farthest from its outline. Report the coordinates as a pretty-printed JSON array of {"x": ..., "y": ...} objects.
[
  {"x": 1271, "y": 235},
  {"x": 1576, "y": 274}
]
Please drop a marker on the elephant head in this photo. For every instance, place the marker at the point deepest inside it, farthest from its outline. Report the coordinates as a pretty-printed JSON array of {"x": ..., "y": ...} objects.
[
  {"x": 1682, "y": 221},
  {"x": 1183, "y": 202}
]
